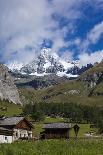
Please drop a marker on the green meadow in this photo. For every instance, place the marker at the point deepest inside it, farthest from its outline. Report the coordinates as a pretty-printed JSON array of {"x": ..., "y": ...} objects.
[
  {"x": 10, "y": 109},
  {"x": 54, "y": 147}
]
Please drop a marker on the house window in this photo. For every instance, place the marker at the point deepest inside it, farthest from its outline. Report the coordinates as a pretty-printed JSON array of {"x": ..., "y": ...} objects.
[
  {"x": 29, "y": 135},
  {"x": 16, "y": 134},
  {"x": 6, "y": 138}
]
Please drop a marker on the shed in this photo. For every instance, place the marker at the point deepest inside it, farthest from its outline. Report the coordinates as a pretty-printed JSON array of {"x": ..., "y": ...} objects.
[{"x": 56, "y": 130}]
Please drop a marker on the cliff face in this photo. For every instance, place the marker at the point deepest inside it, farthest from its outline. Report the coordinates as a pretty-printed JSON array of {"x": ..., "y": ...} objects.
[
  {"x": 7, "y": 88},
  {"x": 93, "y": 79}
]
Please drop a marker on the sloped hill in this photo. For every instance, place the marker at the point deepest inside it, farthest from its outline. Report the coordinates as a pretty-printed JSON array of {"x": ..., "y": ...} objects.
[
  {"x": 93, "y": 79},
  {"x": 64, "y": 92},
  {"x": 63, "y": 95},
  {"x": 87, "y": 89},
  {"x": 9, "y": 109}
]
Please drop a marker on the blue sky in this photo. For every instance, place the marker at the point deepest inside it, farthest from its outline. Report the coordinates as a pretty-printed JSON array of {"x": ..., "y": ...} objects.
[{"x": 73, "y": 29}]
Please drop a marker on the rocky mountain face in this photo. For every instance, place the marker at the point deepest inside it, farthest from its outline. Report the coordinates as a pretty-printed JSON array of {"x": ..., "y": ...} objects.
[
  {"x": 31, "y": 81},
  {"x": 93, "y": 80},
  {"x": 8, "y": 89},
  {"x": 43, "y": 82},
  {"x": 78, "y": 71}
]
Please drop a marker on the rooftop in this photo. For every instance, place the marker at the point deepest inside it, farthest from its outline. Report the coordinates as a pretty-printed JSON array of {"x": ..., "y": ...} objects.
[
  {"x": 10, "y": 120},
  {"x": 57, "y": 126}
]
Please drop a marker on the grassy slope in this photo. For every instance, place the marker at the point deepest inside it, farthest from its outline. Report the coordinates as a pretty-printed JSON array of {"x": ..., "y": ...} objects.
[
  {"x": 96, "y": 69},
  {"x": 12, "y": 109},
  {"x": 60, "y": 93},
  {"x": 99, "y": 88},
  {"x": 56, "y": 93},
  {"x": 54, "y": 147}
]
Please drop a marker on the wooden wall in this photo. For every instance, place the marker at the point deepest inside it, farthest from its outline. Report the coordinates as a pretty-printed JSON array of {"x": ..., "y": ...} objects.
[
  {"x": 23, "y": 125},
  {"x": 56, "y": 133}
]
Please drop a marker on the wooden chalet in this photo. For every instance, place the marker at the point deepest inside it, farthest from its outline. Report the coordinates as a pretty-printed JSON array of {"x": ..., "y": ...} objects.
[
  {"x": 56, "y": 130},
  {"x": 14, "y": 128}
]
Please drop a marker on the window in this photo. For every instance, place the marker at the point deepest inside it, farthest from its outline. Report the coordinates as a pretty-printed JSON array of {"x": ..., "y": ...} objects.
[
  {"x": 6, "y": 138},
  {"x": 16, "y": 134},
  {"x": 29, "y": 135}
]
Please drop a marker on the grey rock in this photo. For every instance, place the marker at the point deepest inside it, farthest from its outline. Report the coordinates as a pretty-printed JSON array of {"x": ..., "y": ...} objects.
[
  {"x": 8, "y": 89},
  {"x": 73, "y": 92}
]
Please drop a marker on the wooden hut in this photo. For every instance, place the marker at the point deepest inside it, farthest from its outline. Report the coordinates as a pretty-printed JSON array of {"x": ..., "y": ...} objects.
[{"x": 56, "y": 130}]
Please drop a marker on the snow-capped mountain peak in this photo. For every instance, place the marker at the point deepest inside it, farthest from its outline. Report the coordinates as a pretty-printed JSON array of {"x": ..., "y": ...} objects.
[{"x": 47, "y": 62}]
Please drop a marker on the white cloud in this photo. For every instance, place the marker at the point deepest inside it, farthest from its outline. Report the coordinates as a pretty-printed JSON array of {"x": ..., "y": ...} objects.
[
  {"x": 86, "y": 58},
  {"x": 27, "y": 23},
  {"x": 93, "y": 36},
  {"x": 67, "y": 56},
  {"x": 23, "y": 23},
  {"x": 77, "y": 41},
  {"x": 67, "y": 8},
  {"x": 96, "y": 33}
]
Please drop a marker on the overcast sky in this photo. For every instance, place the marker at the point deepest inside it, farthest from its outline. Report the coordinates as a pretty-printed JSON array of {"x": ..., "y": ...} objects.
[{"x": 71, "y": 28}]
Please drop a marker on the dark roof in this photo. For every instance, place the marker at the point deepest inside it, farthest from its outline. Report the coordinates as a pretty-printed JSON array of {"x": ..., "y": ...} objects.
[
  {"x": 11, "y": 120},
  {"x": 4, "y": 129},
  {"x": 57, "y": 126}
]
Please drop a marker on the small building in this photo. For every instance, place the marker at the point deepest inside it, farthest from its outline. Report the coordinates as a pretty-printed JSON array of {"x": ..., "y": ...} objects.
[
  {"x": 56, "y": 130},
  {"x": 14, "y": 128}
]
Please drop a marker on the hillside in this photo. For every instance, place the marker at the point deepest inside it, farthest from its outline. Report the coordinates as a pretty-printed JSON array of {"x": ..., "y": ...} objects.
[
  {"x": 87, "y": 89},
  {"x": 93, "y": 79},
  {"x": 9, "y": 109}
]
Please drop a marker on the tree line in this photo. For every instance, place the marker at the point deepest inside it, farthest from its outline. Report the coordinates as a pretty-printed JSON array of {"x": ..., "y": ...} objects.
[{"x": 73, "y": 112}]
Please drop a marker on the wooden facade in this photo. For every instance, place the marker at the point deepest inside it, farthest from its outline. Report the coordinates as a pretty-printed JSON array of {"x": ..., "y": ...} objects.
[
  {"x": 56, "y": 131},
  {"x": 6, "y": 132},
  {"x": 23, "y": 124}
]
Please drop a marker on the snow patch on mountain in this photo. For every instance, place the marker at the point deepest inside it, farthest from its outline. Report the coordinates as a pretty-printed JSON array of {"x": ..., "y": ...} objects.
[
  {"x": 14, "y": 65},
  {"x": 61, "y": 74},
  {"x": 66, "y": 65}
]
